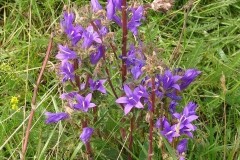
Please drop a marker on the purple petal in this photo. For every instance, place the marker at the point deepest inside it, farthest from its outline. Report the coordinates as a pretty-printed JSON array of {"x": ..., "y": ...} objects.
[
  {"x": 127, "y": 90},
  {"x": 86, "y": 134},
  {"x": 122, "y": 100},
  {"x": 127, "y": 109}
]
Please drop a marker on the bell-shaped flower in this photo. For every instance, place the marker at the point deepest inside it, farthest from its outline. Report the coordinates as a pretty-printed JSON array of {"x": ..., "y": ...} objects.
[
  {"x": 97, "y": 55},
  {"x": 97, "y": 85},
  {"x": 55, "y": 117},
  {"x": 168, "y": 131},
  {"x": 67, "y": 71},
  {"x": 90, "y": 36},
  {"x": 86, "y": 134},
  {"x": 132, "y": 99},
  {"x": 74, "y": 33},
  {"x": 169, "y": 81},
  {"x": 182, "y": 148},
  {"x": 184, "y": 125},
  {"x": 65, "y": 53},
  {"x": 96, "y": 6},
  {"x": 189, "y": 76},
  {"x": 135, "y": 21},
  {"x": 83, "y": 103}
]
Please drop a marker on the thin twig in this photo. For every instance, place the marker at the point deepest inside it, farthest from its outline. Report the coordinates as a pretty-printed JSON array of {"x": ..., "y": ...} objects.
[{"x": 33, "y": 103}]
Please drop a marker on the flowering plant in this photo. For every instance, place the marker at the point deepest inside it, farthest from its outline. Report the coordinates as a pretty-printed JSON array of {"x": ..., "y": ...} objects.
[{"x": 149, "y": 87}]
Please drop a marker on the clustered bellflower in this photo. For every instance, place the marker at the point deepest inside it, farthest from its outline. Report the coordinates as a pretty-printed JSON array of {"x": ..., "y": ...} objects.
[{"x": 137, "y": 91}]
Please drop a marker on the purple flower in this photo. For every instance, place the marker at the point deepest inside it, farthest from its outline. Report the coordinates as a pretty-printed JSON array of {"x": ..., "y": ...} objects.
[
  {"x": 83, "y": 103},
  {"x": 67, "y": 21},
  {"x": 96, "y": 56},
  {"x": 112, "y": 7},
  {"x": 142, "y": 91},
  {"x": 169, "y": 81},
  {"x": 65, "y": 53},
  {"x": 95, "y": 5},
  {"x": 184, "y": 125},
  {"x": 189, "y": 76},
  {"x": 67, "y": 96},
  {"x": 132, "y": 99},
  {"x": 86, "y": 134},
  {"x": 90, "y": 36},
  {"x": 55, "y": 117},
  {"x": 67, "y": 71},
  {"x": 168, "y": 131},
  {"x": 182, "y": 148},
  {"x": 136, "y": 71},
  {"x": 73, "y": 33},
  {"x": 135, "y": 21},
  {"x": 172, "y": 107},
  {"x": 97, "y": 85}
]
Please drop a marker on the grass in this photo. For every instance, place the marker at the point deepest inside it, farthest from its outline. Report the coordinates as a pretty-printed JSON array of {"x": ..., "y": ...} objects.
[{"x": 210, "y": 43}]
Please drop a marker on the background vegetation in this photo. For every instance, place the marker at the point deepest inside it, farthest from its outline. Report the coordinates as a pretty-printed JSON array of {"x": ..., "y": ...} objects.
[{"x": 210, "y": 43}]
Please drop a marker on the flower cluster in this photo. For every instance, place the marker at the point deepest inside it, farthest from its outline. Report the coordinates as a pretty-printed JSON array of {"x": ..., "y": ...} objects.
[{"x": 86, "y": 48}]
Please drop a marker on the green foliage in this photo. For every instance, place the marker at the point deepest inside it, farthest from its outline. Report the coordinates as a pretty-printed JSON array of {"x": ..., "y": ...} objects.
[{"x": 210, "y": 43}]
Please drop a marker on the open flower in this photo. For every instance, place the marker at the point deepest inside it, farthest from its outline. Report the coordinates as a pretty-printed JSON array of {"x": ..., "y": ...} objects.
[
  {"x": 90, "y": 36},
  {"x": 83, "y": 103},
  {"x": 55, "y": 117},
  {"x": 65, "y": 53},
  {"x": 184, "y": 125},
  {"x": 86, "y": 134},
  {"x": 135, "y": 21},
  {"x": 67, "y": 71},
  {"x": 132, "y": 99},
  {"x": 97, "y": 85}
]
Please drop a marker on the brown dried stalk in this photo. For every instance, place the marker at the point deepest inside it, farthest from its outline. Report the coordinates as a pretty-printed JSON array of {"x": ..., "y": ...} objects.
[
  {"x": 153, "y": 96},
  {"x": 33, "y": 103},
  {"x": 124, "y": 40}
]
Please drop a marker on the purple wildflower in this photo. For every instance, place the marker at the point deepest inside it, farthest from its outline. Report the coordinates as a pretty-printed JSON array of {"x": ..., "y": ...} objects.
[
  {"x": 65, "y": 53},
  {"x": 132, "y": 99},
  {"x": 68, "y": 96},
  {"x": 97, "y": 85},
  {"x": 83, "y": 103},
  {"x": 96, "y": 56},
  {"x": 67, "y": 71},
  {"x": 112, "y": 7},
  {"x": 182, "y": 148},
  {"x": 168, "y": 131},
  {"x": 135, "y": 21},
  {"x": 169, "y": 81},
  {"x": 90, "y": 36},
  {"x": 95, "y": 5},
  {"x": 55, "y": 117},
  {"x": 67, "y": 21},
  {"x": 86, "y": 134},
  {"x": 73, "y": 33},
  {"x": 184, "y": 125},
  {"x": 189, "y": 76},
  {"x": 172, "y": 107}
]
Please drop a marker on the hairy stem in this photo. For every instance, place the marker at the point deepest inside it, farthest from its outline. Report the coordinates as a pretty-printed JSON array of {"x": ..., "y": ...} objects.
[
  {"x": 124, "y": 40},
  {"x": 151, "y": 111}
]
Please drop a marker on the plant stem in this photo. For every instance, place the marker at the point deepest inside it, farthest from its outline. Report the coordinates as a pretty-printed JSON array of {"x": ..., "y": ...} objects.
[
  {"x": 151, "y": 111},
  {"x": 33, "y": 103},
  {"x": 124, "y": 40},
  {"x": 131, "y": 137},
  {"x": 77, "y": 79}
]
